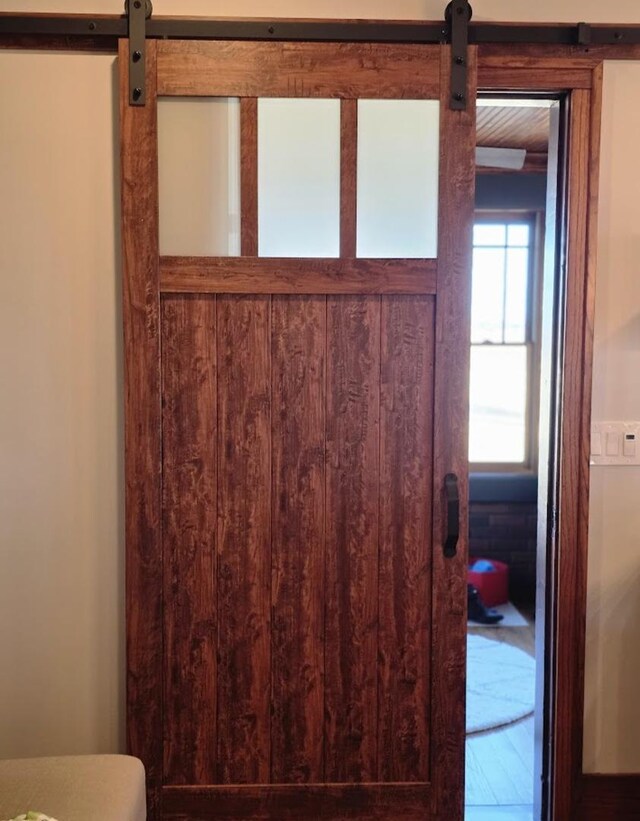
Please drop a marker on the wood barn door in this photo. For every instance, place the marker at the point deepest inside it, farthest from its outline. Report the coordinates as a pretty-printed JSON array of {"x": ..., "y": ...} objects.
[{"x": 296, "y": 627}]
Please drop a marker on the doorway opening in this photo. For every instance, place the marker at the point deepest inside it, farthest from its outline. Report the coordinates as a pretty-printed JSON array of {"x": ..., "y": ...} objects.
[{"x": 512, "y": 271}]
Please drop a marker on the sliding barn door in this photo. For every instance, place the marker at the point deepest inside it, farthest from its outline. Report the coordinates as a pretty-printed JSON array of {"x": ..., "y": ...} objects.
[{"x": 297, "y": 233}]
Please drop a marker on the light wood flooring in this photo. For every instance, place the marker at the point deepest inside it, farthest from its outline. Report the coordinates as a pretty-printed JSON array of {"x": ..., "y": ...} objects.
[{"x": 499, "y": 771}]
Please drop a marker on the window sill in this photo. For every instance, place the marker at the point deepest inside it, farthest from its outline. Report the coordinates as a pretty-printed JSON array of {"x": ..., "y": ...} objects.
[{"x": 503, "y": 487}]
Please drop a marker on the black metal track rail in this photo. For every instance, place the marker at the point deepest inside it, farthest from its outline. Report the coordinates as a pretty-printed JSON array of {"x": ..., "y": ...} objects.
[{"x": 112, "y": 27}]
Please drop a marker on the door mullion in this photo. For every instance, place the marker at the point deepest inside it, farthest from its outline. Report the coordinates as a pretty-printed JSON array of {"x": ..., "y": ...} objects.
[{"x": 348, "y": 176}]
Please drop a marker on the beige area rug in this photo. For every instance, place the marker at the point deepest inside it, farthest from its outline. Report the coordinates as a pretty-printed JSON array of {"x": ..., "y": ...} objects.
[{"x": 500, "y": 684}]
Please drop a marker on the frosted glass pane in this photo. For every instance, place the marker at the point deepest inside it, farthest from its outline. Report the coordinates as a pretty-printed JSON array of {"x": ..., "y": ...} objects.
[
  {"x": 199, "y": 176},
  {"x": 298, "y": 178},
  {"x": 498, "y": 404},
  {"x": 398, "y": 153}
]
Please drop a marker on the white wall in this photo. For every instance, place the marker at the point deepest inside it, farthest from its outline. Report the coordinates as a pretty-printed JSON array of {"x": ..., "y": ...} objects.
[
  {"x": 61, "y": 497},
  {"x": 612, "y": 707},
  {"x": 61, "y": 543}
]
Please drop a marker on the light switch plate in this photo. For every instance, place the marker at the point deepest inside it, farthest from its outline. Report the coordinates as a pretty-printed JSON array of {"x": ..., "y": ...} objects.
[{"x": 615, "y": 443}]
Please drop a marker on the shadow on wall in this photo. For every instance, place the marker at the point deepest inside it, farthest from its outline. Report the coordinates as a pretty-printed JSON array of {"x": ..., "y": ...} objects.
[{"x": 117, "y": 282}]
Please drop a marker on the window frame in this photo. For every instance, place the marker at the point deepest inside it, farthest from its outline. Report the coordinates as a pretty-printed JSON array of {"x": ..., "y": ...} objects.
[{"x": 535, "y": 218}]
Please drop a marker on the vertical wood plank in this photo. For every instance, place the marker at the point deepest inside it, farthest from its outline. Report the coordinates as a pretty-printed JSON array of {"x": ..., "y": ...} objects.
[
  {"x": 141, "y": 316},
  {"x": 348, "y": 176},
  {"x": 406, "y": 493},
  {"x": 249, "y": 176},
  {"x": 573, "y": 520},
  {"x": 189, "y": 527},
  {"x": 451, "y": 422},
  {"x": 353, "y": 399},
  {"x": 244, "y": 537},
  {"x": 298, "y": 374}
]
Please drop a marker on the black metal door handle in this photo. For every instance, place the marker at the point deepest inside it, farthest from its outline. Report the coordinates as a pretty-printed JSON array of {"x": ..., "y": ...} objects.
[{"x": 453, "y": 515}]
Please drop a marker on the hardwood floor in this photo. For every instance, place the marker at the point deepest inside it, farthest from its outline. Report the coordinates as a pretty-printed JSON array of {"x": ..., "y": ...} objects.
[{"x": 499, "y": 770}]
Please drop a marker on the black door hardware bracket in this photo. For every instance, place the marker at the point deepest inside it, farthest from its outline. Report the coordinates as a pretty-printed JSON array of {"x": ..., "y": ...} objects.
[
  {"x": 137, "y": 11},
  {"x": 457, "y": 15}
]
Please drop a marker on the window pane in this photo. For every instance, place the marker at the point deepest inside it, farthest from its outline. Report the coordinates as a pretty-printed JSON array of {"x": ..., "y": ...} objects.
[
  {"x": 298, "y": 178},
  {"x": 498, "y": 404},
  {"x": 486, "y": 234},
  {"x": 199, "y": 176},
  {"x": 398, "y": 155},
  {"x": 518, "y": 235},
  {"x": 515, "y": 327},
  {"x": 487, "y": 299}
]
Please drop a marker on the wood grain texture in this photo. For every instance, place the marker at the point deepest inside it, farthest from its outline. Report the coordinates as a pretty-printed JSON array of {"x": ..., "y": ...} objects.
[
  {"x": 406, "y": 494},
  {"x": 244, "y": 534},
  {"x": 533, "y": 77},
  {"x": 451, "y": 403},
  {"x": 570, "y": 557},
  {"x": 141, "y": 317},
  {"x": 249, "y": 176},
  {"x": 609, "y": 798},
  {"x": 281, "y": 69},
  {"x": 268, "y": 275},
  {"x": 298, "y": 430},
  {"x": 189, "y": 527},
  {"x": 500, "y": 126},
  {"x": 351, "y": 636},
  {"x": 573, "y": 531},
  {"x": 313, "y": 802},
  {"x": 38, "y": 42},
  {"x": 348, "y": 177},
  {"x": 523, "y": 55}
]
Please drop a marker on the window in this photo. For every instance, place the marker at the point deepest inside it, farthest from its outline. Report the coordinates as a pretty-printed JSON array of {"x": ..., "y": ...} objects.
[{"x": 503, "y": 361}]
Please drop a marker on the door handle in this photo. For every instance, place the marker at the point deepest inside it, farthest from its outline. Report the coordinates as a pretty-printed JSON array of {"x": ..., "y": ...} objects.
[{"x": 453, "y": 515}]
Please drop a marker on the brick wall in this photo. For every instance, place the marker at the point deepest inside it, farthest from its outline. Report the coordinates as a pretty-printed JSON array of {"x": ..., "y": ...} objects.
[{"x": 507, "y": 532}]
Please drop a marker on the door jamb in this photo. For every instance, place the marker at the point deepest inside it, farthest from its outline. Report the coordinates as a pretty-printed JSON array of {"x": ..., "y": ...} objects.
[{"x": 581, "y": 78}]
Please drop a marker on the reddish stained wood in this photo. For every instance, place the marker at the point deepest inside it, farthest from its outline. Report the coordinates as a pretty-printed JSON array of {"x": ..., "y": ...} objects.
[
  {"x": 536, "y": 56},
  {"x": 249, "y": 176},
  {"x": 453, "y": 312},
  {"x": 533, "y": 77},
  {"x": 281, "y": 69},
  {"x": 37, "y": 42},
  {"x": 351, "y": 636},
  {"x": 583, "y": 165},
  {"x": 141, "y": 317},
  {"x": 406, "y": 497},
  {"x": 244, "y": 531},
  {"x": 268, "y": 275},
  {"x": 609, "y": 798},
  {"x": 549, "y": 56},
  {"x": 297, "y": 669},
  {"x": 348, "y": 176},
  {"x": 189, "y": 526},
  {"x": 313, "y": 802}
]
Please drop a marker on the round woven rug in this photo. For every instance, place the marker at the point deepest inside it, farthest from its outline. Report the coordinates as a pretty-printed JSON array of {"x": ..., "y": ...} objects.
[{"x": 500, "y": 684}]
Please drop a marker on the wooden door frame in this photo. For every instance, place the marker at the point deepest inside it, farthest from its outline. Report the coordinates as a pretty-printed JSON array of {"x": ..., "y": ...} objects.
[
  {"x": 579, "y": 75},
  {"x": 499, "y": 68}
]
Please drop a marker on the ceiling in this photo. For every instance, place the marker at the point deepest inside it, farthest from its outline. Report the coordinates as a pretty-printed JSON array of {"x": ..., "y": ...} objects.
[
  {"x": 514, "y": 126},
  {"x": 522, "y": 124}
]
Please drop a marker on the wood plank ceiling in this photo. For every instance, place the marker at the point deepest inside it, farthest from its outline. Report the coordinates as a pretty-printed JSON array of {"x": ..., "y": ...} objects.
[{"x": 515, "y": 126}]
